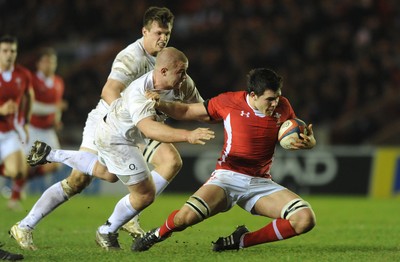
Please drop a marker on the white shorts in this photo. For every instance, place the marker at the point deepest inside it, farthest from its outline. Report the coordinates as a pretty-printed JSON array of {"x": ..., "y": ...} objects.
[
  {"x": 241, "y": 189},
  {"x": 49, "y": 136},
  {"x": 122, "y": 157},
  {"x": 94, "y": 118},
  {"x": 9, "y": 143}
]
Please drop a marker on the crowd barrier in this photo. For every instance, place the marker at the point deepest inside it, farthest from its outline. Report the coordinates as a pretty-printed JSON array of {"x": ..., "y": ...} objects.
[{"x": 363, "y": 171}]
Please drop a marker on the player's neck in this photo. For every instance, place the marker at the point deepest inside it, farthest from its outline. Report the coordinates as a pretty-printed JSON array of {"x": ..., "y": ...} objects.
[{"x": 6, "y": 68}]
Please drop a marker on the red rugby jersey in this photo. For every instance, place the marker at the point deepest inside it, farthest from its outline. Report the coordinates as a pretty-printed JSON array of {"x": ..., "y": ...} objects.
[
  {"x": 47, "y": 92},
  {"x": 249, "y": 139},
  {"x": 13, "y": 89}
]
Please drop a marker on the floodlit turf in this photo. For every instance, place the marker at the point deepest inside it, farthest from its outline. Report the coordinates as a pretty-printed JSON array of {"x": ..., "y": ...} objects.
[{"x": 348, "y": 229}]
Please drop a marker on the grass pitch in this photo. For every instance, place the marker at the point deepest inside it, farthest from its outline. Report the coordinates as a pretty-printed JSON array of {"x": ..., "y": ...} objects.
[{"x": 348, "y": 229}]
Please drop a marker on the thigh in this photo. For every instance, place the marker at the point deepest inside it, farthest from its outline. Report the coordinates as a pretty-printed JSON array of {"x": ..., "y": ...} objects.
[
  {"x": 9, "y": 144},
  {"x": 123, "y": 160},
  {"x": 271, "y": 205},
  {"x": 164, "y": 153},
  {"x": 214, "y": 196},
  {"x": 15, "y": 165}
]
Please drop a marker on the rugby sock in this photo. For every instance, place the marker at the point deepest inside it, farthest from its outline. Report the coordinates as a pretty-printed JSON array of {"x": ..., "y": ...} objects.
[
  {"x": 278, "y": 229},
  {"x": 81, "y": 160},
  {"x": 122, "y": 213},
  {"x": 159, "y": 182},
  {"x": 17, "y": 186},
  {"x": 169, "y": 226},
  {"x": 50, "y": 200}
]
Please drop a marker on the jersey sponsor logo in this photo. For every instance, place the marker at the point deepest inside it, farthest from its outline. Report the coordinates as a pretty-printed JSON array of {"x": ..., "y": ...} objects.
[
  {"x": 247, "y": 114},
  {"x": 18, "y": 82},
  {"x": 132, "y": 167}
]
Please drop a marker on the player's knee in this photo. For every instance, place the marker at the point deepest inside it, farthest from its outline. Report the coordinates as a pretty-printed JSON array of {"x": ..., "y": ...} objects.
[
  {"x": 77, "y": 182},
  {"x": 303, "y": 221},
  {"x": 140, "y": 202},
  {"x": 185, "y": 218},
  {"x": 199, "y": 210},
  {"x": 300, "y": 215}
]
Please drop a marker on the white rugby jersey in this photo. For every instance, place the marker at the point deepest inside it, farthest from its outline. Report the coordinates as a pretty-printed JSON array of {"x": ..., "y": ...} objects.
[
  {"x": 131, "y": 63},
  {"x": 133, "y": 106}
]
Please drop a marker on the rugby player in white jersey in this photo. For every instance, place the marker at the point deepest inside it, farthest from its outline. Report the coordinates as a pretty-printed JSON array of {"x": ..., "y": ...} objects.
[
  {"x": 132, "y": 62},
  {"x": 130, "y": 123}
]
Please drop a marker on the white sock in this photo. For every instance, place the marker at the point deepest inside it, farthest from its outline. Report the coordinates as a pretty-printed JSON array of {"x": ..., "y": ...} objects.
[
  {"x": 159, "y": 182},
  {"x": 50, "y": 200},
  {"x": 123, "y": 212},
  {"x": 81, "y": 160}
]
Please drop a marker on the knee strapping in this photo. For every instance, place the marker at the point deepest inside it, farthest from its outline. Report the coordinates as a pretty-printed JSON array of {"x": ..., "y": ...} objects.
[
  {"x": 150, "y": 150},
  {"x": 69, "y": 191},
  {"x": 294, "y": 206},
  {"x": 199, "y": 206}
]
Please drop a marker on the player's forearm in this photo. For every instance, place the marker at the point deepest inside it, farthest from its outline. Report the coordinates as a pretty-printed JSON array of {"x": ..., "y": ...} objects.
[
  {"x": 182, "y": 111},
  {"x": 164, "y": 133},
  {"x": 41, "y": 109},
  {"x": 29, "y": 105},
  {"x": 178, "y": 111}
]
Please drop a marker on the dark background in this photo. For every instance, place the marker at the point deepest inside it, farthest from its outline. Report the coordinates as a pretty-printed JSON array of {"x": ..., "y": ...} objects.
[{"x": 340, "y": 59}]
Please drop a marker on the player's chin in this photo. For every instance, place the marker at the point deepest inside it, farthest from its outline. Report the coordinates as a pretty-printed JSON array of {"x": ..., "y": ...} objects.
[{"x": 161, "y": 46}]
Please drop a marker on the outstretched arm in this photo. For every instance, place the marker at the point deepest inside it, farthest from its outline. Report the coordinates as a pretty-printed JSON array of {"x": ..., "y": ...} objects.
[
  {"x": 164, "y": 133},
  {"x": 182, "y": 111}
]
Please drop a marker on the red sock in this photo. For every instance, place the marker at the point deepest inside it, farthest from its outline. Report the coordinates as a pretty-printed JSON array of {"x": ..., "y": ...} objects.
[
  {"x": 278, "y": 229},
  {"x": 169, "y": 226},
  {"x": 17, "y": 186}
]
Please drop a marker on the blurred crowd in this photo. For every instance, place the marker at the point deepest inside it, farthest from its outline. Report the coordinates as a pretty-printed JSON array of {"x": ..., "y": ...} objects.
[{"x": 340, "y": 59}]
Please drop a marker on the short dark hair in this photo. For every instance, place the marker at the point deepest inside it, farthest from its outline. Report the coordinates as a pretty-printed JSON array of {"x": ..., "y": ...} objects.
[
  {"x": 45, "y": 51},
  {"x": 9, "y": 39},
  {"x": 162, "y": 15},
  {"x": 261, "y": 79}
]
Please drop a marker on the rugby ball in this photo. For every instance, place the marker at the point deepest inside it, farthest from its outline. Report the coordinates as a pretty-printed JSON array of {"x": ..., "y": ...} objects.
[{"x": 289, "y": 131}]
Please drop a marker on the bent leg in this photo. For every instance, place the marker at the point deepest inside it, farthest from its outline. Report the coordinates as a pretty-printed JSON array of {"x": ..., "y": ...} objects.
[
  {"x": 140, "y": 196},
  {"x": 276, "y": 206},
  {"x": 166, "y": 161},
  {"x": 209, "y": 200}
]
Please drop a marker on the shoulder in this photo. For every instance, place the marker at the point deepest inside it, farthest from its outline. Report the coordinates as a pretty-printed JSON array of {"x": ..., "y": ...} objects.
[
  {"x": 134, "y": 50},
  {"x": 229, "y": 99},
  {"x": 232, "y": 97},
  {"x": 284, "y": 102},
  {"x": 140, "y": 84},
  {"x": 23, "y": 70}
]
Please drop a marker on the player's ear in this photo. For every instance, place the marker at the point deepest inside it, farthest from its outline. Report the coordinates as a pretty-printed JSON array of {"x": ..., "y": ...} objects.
[
  {"x": 144, "y": 30},
  {"x": 164, "y": 71}
]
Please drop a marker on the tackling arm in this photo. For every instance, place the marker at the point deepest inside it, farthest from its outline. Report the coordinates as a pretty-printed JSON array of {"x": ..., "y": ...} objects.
[
  {"x": 164, "y": 133},
  {"x": 181, "y": 111}
]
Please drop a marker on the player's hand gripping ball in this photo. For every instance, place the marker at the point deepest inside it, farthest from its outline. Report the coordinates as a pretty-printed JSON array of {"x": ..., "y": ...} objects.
[{"x": 290, "y": 131}]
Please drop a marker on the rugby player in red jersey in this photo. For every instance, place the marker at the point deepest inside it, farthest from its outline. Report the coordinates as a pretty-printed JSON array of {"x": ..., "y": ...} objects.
[
  {"x": 242, "y": 175},
  {"x": 16, "y": 97}
]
